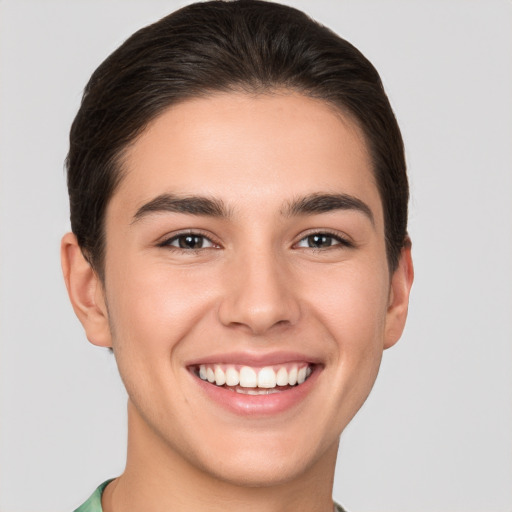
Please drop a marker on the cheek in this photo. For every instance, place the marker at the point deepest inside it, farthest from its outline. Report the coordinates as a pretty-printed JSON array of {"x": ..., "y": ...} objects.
[
  {"x": 155, "y": 307},
  {"x": 352, "y": 304},
  {"x": 355, "y": 299},
  {"x": 349, "y": 307}
]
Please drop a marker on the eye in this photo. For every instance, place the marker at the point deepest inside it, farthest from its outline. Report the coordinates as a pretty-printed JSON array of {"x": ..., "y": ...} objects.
[
  {"x": 322, "y": 241},
  {"x": 188, "y": 241}
]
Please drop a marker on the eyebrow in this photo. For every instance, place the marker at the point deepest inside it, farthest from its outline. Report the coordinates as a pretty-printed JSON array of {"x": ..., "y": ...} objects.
[
  {"x": 192, "y": 205},
  {"x": 323, "y": 203},
  {"x": 211, "y": 207}
]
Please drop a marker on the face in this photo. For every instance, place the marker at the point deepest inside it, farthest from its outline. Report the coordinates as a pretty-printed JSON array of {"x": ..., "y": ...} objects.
[{"x": 247, "y": 291}]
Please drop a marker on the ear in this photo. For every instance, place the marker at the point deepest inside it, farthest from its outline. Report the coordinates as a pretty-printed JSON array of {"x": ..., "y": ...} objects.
[
  {"x": 85, "y": 291},
  {"x": 401, "y": 283}
]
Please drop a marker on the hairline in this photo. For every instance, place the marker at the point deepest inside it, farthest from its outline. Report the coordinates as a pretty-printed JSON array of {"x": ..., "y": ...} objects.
[{"x": 343, "y": 114}]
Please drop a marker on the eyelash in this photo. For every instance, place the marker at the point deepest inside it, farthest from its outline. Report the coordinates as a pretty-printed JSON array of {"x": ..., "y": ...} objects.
[
  {"x": 167, "y": 243},
  {"x": 341, "y": 242}
]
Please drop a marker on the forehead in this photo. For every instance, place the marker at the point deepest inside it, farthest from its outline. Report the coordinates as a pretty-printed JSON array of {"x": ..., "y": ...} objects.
[{"x": 247, "y": 150}]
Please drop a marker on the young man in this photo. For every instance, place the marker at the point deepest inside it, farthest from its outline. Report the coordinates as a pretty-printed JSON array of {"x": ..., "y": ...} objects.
[{"x": 239, "y": 208}]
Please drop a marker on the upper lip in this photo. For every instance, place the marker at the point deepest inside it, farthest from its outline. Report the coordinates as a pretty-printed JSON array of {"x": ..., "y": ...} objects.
[{"x": 254, "y": 358}]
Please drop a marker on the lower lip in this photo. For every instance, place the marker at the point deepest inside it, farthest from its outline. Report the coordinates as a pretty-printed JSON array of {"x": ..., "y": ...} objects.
[{"x": 258, "y": 405}]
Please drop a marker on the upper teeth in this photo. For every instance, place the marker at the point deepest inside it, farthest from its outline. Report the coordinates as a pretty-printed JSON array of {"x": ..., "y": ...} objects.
[{"x": 248, "y": 377}]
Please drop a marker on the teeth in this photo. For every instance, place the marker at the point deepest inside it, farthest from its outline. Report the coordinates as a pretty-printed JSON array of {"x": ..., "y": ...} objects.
[
  {"x": 256, "y": 391},
  {"x": 292, "y": 376},
  {"x": 282, "y": 377},
  {"x": 232, "y": 377},
  {"x": 255, "y": 381},
  {"x": 220, "y": 376},
  {"x": 251, "y": 392},
  {"x": 267, "y": 378},
  {"x": 248, "y": 377}
]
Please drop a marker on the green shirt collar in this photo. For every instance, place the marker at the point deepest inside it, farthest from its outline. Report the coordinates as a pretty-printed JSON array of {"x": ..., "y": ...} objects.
[{"x": 93, "y": 504}]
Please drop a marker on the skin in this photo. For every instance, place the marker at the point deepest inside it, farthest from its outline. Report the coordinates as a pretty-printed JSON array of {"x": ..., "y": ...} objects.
[{"x": 256, "y": 287}]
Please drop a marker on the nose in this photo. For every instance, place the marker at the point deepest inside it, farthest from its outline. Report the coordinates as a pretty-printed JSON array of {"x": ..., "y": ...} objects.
[{"x": 259, "y": 294}]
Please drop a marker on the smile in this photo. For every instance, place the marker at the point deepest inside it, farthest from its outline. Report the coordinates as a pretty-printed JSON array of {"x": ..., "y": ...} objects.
[{"x": 255, "y": 381}]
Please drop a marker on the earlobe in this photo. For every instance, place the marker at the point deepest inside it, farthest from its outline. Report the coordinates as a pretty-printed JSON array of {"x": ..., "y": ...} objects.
[
  {"x": 85, "y": 292},
  {"x": 401, "y": 283}
]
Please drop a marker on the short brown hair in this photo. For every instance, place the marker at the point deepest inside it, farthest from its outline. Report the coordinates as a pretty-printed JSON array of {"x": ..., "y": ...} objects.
[{"x": 248, "y": 45}]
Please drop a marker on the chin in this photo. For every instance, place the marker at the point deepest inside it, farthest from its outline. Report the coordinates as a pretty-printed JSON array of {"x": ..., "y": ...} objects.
[
  {"x": 265, "y": 470},
  {"x": 266, "y": 459}
]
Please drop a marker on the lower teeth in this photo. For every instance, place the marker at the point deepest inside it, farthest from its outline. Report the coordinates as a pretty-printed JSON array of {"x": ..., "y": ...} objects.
[{"x": 253, "y": 391}]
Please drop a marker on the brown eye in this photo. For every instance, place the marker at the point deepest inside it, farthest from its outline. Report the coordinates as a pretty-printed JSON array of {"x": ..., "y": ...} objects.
[
  {"x": 319, "y": 241},
  {"x": 322, "y": 241},
  {"x": 188, "y": 241}
]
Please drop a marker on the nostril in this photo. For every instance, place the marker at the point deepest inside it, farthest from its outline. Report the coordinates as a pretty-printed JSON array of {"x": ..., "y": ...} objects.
[
  {"x": 258, "y": 328},
  {"x": 259, "y": 297}
]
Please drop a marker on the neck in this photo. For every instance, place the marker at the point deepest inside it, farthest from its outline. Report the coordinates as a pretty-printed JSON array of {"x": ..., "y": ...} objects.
[{"x": 158, "y": 479}]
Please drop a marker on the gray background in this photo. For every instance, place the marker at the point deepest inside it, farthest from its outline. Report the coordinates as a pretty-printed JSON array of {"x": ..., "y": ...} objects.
[{"x": 436, "y": 433}]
